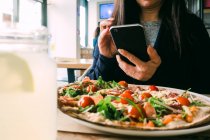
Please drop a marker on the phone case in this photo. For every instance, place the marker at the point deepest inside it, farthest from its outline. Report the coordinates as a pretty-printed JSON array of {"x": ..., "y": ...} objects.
[{"x": 131, "y": 38}]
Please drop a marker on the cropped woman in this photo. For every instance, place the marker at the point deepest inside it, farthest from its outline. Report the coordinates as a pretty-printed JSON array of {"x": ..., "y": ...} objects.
[{"x": 178, "y": 46}]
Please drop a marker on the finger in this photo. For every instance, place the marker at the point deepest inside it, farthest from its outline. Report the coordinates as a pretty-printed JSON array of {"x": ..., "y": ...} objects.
[
  {"x": 131, "y": 57},
  {"x": 104, "y": 33},
  {"x": 155, "y": 58},
  {"x": 106, "y": 24},
  {"x": 127, "y": 68}
]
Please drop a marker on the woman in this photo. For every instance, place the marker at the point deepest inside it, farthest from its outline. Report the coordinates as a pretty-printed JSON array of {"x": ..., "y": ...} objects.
[{"x": 178, "y": 47}]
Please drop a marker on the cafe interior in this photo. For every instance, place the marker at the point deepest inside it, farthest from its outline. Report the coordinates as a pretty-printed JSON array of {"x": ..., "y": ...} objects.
[{"x": 71, "y": 25}]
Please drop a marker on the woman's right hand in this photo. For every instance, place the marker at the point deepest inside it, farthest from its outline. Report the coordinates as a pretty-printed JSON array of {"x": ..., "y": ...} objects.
[{"x": 105, "y": 42}]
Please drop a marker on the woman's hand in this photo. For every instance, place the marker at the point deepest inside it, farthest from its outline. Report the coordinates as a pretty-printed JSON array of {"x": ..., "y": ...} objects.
[
  {"x": 142, "y": 70},
  {"x": 105, "y": 43}
]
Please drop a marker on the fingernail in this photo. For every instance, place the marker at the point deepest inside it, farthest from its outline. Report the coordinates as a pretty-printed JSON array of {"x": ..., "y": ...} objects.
[
  {"x": 117, "y": 57},
  {"x": 120, "y": 50}
]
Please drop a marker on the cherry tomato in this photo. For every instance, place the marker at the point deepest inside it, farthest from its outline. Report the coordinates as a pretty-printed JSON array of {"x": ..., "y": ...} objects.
[
  {"x": 86, "y": 79},
  {"x": 123, "y": 83},
  {"x": 91, "y": 88},
  {"x": 133, "y": 112},
  {"x": 153, "y": 88},
  {"x": 86, "y": 101},
  {"x": 183, "y": 101},
  {"x": 144, "y": 96},
  {"x": 126, "y": 94}
]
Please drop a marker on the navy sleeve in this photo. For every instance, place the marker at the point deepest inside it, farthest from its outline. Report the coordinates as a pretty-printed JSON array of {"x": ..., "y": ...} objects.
[{"x": 102, "y": 66}]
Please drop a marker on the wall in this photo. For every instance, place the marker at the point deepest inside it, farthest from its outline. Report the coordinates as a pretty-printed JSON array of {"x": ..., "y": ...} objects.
[
  {"x": 63, "y": 25},
  {"x": 92, "y": 19}
]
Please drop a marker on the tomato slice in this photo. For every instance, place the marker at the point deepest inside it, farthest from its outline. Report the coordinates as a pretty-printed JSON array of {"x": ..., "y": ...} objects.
[
  {"x": 144, "y": 96},
  {"x": 126, "y": 94},
  {"x": 123, "y": 83},
  {"x": 77, "y": 87},
  {"x": 167, "y": 119},
  {"x": 149, "y": 110},
  {"x": 150, "y": 124},
  {"x": 153, "y": 88},
  {"x": 91, "y": 88},
  {"x": 97, "y": 98},
  {"x": 183, "y": 101},
  {"x": 86, "y": 101},
  {"x": 133, "y": 112}
]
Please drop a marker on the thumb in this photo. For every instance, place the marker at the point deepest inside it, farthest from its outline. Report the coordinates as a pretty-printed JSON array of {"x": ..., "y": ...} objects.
[
  {"x": 154, "y": 57},
  {"x": 104, "y": 33}
]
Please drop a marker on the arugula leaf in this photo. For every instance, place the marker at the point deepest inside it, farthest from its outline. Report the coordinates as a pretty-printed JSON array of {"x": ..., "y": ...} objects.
[
  {"x": 160, "y": 109},
  {"x": 125, "y": 118},
  {"x": 86, "y": 109},
  {"x": 184, "y": 114},
  {"x": 72, "y": 92},
  {"x": 133, "y": 104},
  {"x": 101, "y": 83},
  {"x": 158, "y": 122},
  {"x": 184, "y": 94},
  {"x": 197, "y": 103},
  {"x": 114, "y": 84},
  {"x": 106, "y": 108},
  {"x": 106, "y": 85}
]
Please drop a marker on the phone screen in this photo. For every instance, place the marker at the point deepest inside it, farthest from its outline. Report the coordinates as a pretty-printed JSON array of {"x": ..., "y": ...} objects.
[{"x": 131, "y": 38}]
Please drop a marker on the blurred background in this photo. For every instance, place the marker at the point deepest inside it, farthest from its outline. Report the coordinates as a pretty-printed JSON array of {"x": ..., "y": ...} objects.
[{"x": 72, "y": 23}]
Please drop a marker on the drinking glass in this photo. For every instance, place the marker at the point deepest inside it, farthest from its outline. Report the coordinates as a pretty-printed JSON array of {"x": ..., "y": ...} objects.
[{"x": 27, "y": 85}]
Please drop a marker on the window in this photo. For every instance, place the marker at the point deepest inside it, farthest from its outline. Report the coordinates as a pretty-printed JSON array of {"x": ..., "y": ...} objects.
[
  {"x": 29, "y": 12},
  {"x": 82, "y": 26},
  {"x": 83, "y": 23},
  {"x": 206, "y": 13},
  {"x": 6, "y": 12},
  {"x": 105, "y": 10},
  {"x": 202, "y": 9}
]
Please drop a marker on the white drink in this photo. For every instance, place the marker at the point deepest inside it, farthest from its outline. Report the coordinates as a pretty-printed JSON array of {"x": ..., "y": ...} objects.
[
  {"x": 27, "y": 113},
  {"x": 27, "y": 85}
]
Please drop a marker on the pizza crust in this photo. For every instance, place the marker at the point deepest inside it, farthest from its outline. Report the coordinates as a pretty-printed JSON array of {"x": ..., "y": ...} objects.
[{"x": 202, "y": 118}]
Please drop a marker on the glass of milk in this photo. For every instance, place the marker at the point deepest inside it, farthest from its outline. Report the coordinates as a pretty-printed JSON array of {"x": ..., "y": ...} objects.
[{"x": 27, "y": 85}]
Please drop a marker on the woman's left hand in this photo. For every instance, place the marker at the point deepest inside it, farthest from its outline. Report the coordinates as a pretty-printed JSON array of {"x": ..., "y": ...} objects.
[{"x": 142, "y": 70}]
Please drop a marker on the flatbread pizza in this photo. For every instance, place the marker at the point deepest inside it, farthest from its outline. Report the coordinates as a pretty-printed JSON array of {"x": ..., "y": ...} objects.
[{"x": 127, "y": 106}]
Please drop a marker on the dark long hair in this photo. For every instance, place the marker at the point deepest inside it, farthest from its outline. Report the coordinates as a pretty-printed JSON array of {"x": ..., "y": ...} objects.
[
  {"x": 172, "y": 14},
  {"x": 96, "y": 32}
]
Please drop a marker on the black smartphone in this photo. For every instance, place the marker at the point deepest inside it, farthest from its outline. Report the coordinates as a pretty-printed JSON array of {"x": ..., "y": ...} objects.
[{"x": 131, "y": 38}]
